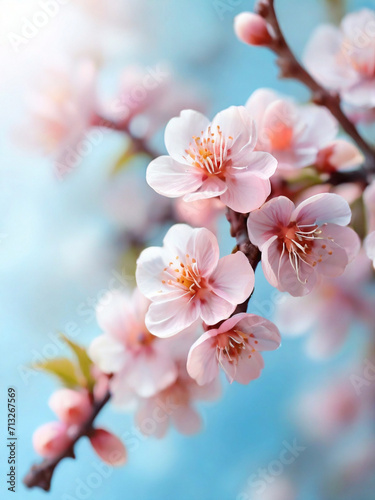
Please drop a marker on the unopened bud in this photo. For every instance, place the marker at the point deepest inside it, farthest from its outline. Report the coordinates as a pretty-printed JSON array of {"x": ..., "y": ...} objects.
[{"x": 252, "y": 29}]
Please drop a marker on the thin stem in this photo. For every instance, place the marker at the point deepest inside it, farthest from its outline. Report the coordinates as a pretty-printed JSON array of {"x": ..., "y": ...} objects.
[
  {"x": 40, "y": 475},
  {"x": 291, "y": 68}
]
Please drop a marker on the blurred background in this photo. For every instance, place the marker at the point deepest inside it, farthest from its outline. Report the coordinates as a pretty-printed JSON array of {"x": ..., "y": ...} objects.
[{"x": 66, "y": 239}]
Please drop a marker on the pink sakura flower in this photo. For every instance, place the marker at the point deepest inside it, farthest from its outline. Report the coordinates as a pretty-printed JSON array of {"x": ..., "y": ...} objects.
[
  {"x": 142, "y": 363},
  {"x": 213, "y": 159},
  {"x": 369, "y": 199},
  {"x": 175, "y": 405},
  {"x": 329, "y": 311},
  {"x": 343, "y": 59},
  {"x": 62, "y": 111},
  {"x": 298, "y": 244},
  {"x": 185, "y": 280},
  {"x": 234, "y": 346},
  {"x": 295, "y": 134}
]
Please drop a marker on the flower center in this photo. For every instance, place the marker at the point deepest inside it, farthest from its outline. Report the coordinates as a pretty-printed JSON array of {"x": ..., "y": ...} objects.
[
  {"x": 281, "y": 137},
  {"x": 184, "y": 275},
  {"x": 300, "y": 241},
  {"x": 209, "y": 152},
  {"x": 230, "y": 345}
]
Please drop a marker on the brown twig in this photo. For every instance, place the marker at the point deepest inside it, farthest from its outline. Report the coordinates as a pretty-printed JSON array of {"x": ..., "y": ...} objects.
[
  {"x": 40, "y": 475},
  {"x": 291, "y": 68},
  {"x": 238, "y": 230}
]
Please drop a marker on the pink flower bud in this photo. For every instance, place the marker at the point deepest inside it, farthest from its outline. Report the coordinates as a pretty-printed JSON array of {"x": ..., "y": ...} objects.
[
  {"x": 339, "y": 155},
  {"x": 51, "y": 439},
  {"x": 72, "y": 407},
  {"x": 252, "y": 29},
  {"x": 109, "y": 447}
]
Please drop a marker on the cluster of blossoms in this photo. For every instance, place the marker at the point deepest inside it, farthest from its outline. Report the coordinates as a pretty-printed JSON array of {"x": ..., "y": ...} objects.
[{"x": 270, "y": 164}]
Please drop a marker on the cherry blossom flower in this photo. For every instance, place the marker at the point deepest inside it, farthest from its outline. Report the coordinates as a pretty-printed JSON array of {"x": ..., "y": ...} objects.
[
  {"x": 298, "y": 244},
  {"x": 235, "y": 346},
  {"x": 185, "y": 280},
  {"x": 213, "y": 159},
  {"x": 72, "y": 407},
  {"x": 51, "y": 439},
  {"x": 296, "y": 134},
  {"x": 330, "y": 310},
  {"x": 175, "y": 405},
  {"x": 343, "y": 59},
  {"x": 61, "y": 113},
  {"x": 142, "y": 363}
]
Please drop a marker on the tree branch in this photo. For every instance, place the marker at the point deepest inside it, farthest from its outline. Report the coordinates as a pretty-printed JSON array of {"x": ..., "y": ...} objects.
[
  {"x": 291, "y": 68},
  {"x": 238, "y": 230},
  {"x": 40, "y": 475}
]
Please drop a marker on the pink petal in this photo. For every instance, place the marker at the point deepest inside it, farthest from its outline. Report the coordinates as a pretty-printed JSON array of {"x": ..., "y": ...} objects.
[
  {"x": 257, "y": 104},
  {"x": 321, "y": 57},
  {"x": 320, "y": 127},
  {"x": 249, "y": 369},
  {"x": 150, "y": 271},
  {"x": 233, "y": 279},
  {"x": 180, "y": 131},
  {"x": 109, "y": 447},
  {"x": 246, "y": 191},
  {"x": 201, "y": 362},
  {"x": 114, "y": 314},
  {"x": 263, "y": 165},
  {"x": 361, "y": 94},
  {"x": 203, "y": 246},
  {"x": 322, "y": 208},
  {"x": 171, "y": 178},
  {"x": 177, "y": 239},
  {"x": 271, "y": 261},
  {"x": 186, "y": 420},
  {"x": 265, "y": 332},
  {"x": 167, "y": 318},
  {"x": 263, "y": 223},
  {"x": 370, "y": 246},
  {"x": 210, "y": 188},
  {"x": 344, "y": 155},
  {"x": 344, "y": 237},
  {"x": 289, "y": 282},
  {"x": 215, "y": 308},
  {"x": 107, "y": 353},
  {"x": 236, "y": 122},
  {"x": 146, "y": 421}
]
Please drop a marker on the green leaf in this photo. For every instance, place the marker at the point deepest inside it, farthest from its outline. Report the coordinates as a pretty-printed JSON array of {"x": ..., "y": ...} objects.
[
  {"x": 63, "y": 368},
  {"x": 123, "y": 160},
  {"x": 84, "y": 362}
]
